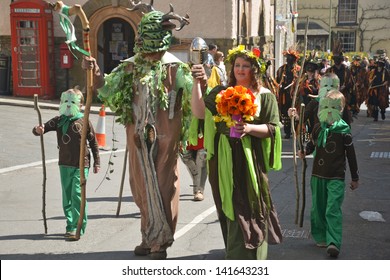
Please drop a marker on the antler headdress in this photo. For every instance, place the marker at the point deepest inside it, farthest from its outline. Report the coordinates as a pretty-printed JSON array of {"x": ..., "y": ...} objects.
[{"x": 155, "y": 28}]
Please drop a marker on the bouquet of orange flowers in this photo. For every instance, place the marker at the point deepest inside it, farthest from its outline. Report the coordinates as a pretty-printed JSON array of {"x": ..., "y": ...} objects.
[{"x": 234, "y": 104}]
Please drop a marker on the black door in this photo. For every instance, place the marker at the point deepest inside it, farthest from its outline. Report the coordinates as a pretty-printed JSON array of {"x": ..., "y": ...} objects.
[{"x": 118, "y": 42}]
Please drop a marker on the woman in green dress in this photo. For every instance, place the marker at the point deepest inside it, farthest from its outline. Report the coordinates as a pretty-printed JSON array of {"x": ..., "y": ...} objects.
[{"x": 238, "y": 166}]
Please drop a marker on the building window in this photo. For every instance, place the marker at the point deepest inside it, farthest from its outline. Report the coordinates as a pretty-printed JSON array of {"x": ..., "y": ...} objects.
[
  {"x": 347, "y": 12},
  {"x": 348, "y": 40}
]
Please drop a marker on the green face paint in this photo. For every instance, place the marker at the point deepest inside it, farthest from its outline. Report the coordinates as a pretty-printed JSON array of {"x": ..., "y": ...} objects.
[
  {"x": 329, "y": 110},
  {"x": 70, "y": 104}
]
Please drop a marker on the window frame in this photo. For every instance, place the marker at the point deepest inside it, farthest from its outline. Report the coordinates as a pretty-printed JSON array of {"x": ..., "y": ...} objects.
[
  {"x": 349, "y": 46},
  {"x": 346, "y": 14}
]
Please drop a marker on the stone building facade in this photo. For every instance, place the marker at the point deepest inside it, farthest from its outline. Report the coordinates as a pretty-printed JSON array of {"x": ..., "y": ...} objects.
[
  {"x": 267, "y": 24},
  {"x": 362, "y": 25}
]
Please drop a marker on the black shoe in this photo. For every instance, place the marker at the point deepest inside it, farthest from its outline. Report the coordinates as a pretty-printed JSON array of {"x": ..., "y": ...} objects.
[
  {"x": 383, "y": 115},
  {"x": 333, "y": 251}
]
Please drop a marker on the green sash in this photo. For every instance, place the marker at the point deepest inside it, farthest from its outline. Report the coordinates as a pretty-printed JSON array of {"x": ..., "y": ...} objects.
[
  {"x": 66, "y": 120},
  {"x": 339, "y": 126}
]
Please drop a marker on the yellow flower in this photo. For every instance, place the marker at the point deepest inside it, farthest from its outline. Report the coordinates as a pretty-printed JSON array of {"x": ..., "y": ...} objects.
[
  {"x": 248, "y": 118},
  {"x": 253, "y": 55},
  {"x": 218, "y": 118},
  {"x": 230, "y": 122}
]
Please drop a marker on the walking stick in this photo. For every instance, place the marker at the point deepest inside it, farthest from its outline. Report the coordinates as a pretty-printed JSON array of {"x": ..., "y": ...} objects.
[
  {"x": 372, "y": 87},
  {"x": 78, "y": 11},
  {"x": 304, "y": 162},
  {"x": 36, "y": 107},
  {"x": 293, "y": 127},
  {"x": 118, "y": 209}
]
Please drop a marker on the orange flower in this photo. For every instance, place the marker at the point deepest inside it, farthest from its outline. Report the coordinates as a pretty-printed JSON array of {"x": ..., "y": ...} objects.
[
  {"x": 236, "y": 100},
  {"x": 234, "y": 104},
  {"x": 245, "y": 103},
  {"x": 222, "y": 107}
]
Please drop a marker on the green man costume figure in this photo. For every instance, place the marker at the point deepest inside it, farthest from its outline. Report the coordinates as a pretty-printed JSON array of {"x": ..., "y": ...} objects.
[
  {"x": 150, "y": 93},
  {"x": 332, "y": 145},
  {"x": 68, "y": 127}
]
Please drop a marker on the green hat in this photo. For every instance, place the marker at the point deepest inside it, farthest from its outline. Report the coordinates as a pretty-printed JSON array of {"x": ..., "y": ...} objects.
[{"x": 152, "y": 37}]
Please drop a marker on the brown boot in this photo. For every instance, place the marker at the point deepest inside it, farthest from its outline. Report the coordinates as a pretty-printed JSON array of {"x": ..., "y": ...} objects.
[
  {"x": 141, "y": 250},
  {"x": 160, "y": 255}
]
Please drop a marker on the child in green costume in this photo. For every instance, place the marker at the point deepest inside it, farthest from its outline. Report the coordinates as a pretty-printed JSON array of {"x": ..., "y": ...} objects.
[
  {"x": 68, "y": 127},
  {"x": 332, "y": 145}
]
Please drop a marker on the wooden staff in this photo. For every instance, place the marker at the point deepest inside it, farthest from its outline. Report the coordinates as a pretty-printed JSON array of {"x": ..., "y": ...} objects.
[
  {"x": 118, "y": 209},
  {"x": 372, "y": 87},
  {"x": 293, "y": 126},
  {"x": 304, "y": 162},
  {"x": 78, "y": 11},
  {"x": 36, "y": 107}
]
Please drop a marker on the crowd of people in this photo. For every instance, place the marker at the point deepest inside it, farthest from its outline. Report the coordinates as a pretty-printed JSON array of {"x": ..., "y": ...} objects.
[
  {"x": 227, "y": 126},
  {"x": 361, "y": 81}
]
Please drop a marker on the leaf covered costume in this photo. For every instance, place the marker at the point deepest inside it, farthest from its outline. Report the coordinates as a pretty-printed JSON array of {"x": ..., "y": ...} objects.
[{"x": 150, "y": 94}]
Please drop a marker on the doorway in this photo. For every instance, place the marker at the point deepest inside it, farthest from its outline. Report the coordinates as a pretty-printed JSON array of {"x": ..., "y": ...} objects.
[{"x": 115, "y": 43}]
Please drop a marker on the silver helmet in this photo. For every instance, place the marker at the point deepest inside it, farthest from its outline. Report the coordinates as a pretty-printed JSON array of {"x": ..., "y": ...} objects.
[{"x": 198, "y": 51}]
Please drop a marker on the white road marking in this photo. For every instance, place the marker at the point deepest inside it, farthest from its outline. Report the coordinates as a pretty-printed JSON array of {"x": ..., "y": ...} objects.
[
  {"x": 38, "y": 163},
  {"x": 380, "y": 155},
  {"x": 194, "y": 222}
]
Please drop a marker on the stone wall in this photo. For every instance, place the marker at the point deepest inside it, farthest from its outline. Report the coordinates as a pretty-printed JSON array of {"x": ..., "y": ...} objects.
[{"x": 5, "y": 45}]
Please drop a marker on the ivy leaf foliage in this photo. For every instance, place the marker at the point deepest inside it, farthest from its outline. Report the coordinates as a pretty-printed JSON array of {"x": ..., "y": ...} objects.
[{"x": 121, "y": 86}]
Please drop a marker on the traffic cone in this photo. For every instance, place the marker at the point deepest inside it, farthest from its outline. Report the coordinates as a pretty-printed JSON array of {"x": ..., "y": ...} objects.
[{"x": 100, "y": 130}]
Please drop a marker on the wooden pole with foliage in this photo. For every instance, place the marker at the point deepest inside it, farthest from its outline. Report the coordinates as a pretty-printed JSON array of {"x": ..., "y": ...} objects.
[{"x": 293, "y": 126}]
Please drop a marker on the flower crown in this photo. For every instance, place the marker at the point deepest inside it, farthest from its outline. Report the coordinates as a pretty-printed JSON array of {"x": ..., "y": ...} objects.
[
  {"x": 291, "y": 52},
  {"x": 253, "y": 55}
]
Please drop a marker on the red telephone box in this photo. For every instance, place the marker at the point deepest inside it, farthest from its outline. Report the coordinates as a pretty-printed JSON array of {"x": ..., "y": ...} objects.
[{"x": 32, "y": 42}]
